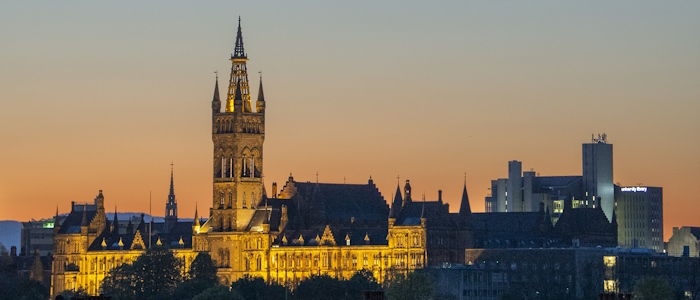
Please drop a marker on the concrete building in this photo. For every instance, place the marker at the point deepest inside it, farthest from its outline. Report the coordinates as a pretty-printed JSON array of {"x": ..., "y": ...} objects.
[
  {"x": 685, "y": 241},
  {"x": 598, "y": 174},
  {"x": 639, "y": 212},
  {"x": 37, "y": 235},
  {"x": 575, "y": 273}
]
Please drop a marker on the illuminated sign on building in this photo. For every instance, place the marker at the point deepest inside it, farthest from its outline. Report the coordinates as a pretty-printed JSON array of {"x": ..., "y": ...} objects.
[{"x": 634, "y": 189}]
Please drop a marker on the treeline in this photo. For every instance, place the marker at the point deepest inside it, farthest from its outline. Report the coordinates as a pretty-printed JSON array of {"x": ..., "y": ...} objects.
[
  {"x": 15, "y": 286},
  {"x": 157, "y": 275}
]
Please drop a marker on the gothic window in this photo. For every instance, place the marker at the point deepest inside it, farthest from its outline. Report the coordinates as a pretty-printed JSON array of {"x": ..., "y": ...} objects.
[
  {"x": 223, "y": 167},
  {"x": 259, "y": 263},
  {"x": 253, "y": 200},
  {"x": 230, "y": 199},
  {"x": 230, "y": 168},
  {"x": 245, "y": 169},
  {"x": 221, "y": 204},
  {"x": 244, "y": 204}
]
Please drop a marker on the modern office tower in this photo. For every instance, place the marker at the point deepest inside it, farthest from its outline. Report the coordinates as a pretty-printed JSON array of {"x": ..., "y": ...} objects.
[
  {"x": 640, "y": 218},
  {"x": 598, "y": 174},
  {"x": 496, "y": 202},
  {"x": 514, "y": 192}
]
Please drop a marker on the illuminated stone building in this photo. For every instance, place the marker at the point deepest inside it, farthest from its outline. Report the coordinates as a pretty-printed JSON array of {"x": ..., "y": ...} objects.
[{"x": 307, "y": 228}]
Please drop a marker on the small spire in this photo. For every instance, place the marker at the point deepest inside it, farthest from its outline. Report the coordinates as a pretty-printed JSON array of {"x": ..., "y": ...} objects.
[
  {"x": 261, "y": 95},
  {"x": 238, "y": 51},
  {"x": 172, "y": 187},
  {"x": 238, "y": 97},
  {"x": 422, "y": 212},
  {"x": 464, "y": 206},
  {"x": 396, "y": 205},
  {"x": 115, "y": 223},
  {"x": 196, "y": 215},
  {"x": 84, "y": 222},
  {"x": 216, "y": 89}
]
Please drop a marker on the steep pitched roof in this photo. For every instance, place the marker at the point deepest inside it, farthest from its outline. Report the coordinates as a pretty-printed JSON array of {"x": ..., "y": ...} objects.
[
  {"x": 72, "y": 223},
  {"x": 436, "y": 214},
  {"x": 322, "y": 203}
]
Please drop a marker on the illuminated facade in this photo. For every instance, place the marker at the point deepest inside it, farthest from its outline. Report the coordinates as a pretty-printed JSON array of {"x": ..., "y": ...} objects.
[
  {"x": 304, "y": 229},
  {"x": 640, "y": 218}
]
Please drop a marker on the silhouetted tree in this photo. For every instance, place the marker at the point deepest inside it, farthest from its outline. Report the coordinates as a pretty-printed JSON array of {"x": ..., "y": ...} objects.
[
  {"x": 218, "y": 292},
  {"x": 13, "y": 286},
  {"x": 415, "y": 286},
  {"x": 201, "y": 276},
  {"x": 255, "y": 288},
  {"x": 153, "y": 275},
  {"x": 359, "y": 283},
  {"x": 320, "y": 286},
  {"x": 653, "y": 288},
  {"x": 203, "y": 268}
]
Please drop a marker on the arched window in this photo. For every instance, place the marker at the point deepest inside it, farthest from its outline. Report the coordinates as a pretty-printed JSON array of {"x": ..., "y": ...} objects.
[
  {"x": 223, "y": 167},
  {"x": 253, "y": 200},
  {"x": 244, "y": 204},
  {"x": 230, "y": 199},
  {"x": 221, "y": 203}
]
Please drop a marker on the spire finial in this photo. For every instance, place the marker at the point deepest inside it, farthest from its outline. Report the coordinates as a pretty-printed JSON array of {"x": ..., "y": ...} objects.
[{"x": 238, "y": 50}]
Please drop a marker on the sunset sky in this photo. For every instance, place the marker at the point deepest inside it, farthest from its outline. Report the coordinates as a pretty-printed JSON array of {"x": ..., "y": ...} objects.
[{"x": 104, "y": 95}]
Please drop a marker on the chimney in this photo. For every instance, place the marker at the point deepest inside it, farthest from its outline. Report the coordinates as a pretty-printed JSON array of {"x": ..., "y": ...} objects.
[
  {"x": 274, "y": 190},
  {"x": 440, "y": 196},
  {"x": 13, "y": 251}
]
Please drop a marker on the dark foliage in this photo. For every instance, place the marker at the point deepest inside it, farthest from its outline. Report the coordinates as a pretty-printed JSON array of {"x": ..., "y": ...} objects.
[
  {"x": 153, "y": 275},
  {"x": 13, "y": 286},
  {"x": 653, "y": 288},
  {"x": 415, "y": 286},
  {"x": 255, "y": 288}
]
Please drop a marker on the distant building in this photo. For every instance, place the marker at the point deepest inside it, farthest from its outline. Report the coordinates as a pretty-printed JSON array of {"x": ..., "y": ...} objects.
[
  {"x": 598, "y": 174},
  {"x": 524, "y": 191},
  {"x": 639, "y": 212},
  {"x": 37, "y": 235},
  {"x": 685, "y": 241},
  {"x": 574, "y": 273}
]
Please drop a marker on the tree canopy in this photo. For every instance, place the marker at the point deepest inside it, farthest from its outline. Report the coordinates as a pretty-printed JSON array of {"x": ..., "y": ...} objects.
[
  {"x": 653, "y": 288},
  {"x": 153, "y": 275}
]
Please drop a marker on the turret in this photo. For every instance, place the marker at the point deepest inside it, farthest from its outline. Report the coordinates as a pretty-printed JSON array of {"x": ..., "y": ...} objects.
[
  {"x": 396, "y": 204},
  {"x": 56, "y": 226},
  {"x": 216, "y": 102},
  {"x": 115, "y": 224},
  {"x": 406, "y": 193},
  {"x": 260, "y": 104},
  {"x": 100, "y": 201}
]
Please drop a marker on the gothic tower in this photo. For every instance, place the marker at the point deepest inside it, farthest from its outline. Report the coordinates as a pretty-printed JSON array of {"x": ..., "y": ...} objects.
[
  {"x": 238, "y": 134},
  {"x": 171, "y": 205}
]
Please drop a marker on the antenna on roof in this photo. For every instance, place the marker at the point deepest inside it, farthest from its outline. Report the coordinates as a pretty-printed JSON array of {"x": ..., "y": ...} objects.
[{"x": 150, "y": 225}]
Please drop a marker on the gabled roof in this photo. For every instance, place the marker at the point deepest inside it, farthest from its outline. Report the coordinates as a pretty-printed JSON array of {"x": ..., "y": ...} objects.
[
  {"x": 322, "y": 203},
  {"x": 436, "y": 214},
  {"x": 695, "y": 231},
  {"x": 71, "y": 224}
]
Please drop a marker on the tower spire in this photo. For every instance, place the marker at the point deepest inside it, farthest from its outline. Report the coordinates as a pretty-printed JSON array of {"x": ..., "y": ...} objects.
[
  {"x": 238, "y": 51},
  {"x": 239, "y": 76},
  {"x": 171, "y": 205}
]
